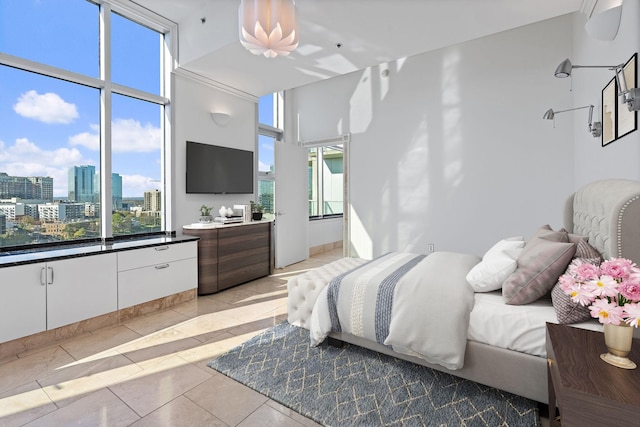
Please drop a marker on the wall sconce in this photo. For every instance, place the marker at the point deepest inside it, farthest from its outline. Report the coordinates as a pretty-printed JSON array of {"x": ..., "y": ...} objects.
[
  {"x": 594, "y": 128},
  {"x": 631, "y": 97},
  {"x": 221, "y": 119}
]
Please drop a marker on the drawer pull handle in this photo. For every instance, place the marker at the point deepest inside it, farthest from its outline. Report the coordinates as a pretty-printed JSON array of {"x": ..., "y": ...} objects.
[
  {"x": 162, "y": 248},
  {"x": 43, "y": 278},
  {"x": 160, "y": 267}
]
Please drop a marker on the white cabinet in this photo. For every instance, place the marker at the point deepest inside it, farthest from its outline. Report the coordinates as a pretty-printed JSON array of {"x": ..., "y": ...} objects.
[
  {"x": 47, "y": 295},
  {"x": 81, "y": 288},
  {"x": 57, "y": 292},
  {"x": 23, "y": 306},
  {"x": 151, "y": 273}
]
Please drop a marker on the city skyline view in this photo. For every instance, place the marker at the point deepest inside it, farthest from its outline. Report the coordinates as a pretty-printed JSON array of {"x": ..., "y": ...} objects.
[
  {"x": 79, "y": 81},
  {"x": 51, "y": 125}
]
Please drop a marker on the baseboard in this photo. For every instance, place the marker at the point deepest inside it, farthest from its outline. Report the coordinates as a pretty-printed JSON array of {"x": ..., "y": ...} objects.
[{"x": 316, "y": 250}]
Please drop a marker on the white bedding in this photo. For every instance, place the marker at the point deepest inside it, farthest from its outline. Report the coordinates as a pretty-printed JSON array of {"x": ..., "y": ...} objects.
[
  {"x": 417, "y": 305},
  {"x": 515, "y": 327}
]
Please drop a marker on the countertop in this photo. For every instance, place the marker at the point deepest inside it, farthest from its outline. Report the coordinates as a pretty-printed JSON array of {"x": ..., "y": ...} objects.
[{"x": 65, "y": 251}]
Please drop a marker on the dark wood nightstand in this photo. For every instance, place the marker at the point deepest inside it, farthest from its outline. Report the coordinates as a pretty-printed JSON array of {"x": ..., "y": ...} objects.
[{"x": 586, "y": 390}]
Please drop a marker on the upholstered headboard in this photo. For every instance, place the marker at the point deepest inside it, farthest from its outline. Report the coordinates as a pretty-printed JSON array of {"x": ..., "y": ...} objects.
[{"x": 608, "y": 213}]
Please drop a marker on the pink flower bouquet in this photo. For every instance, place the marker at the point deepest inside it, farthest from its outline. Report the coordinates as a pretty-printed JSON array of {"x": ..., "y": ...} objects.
[{"x": 611, "y": 290}]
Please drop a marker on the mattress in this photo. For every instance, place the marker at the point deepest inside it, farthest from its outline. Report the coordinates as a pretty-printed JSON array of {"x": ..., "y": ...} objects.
[{"x": 515, "y": 327}]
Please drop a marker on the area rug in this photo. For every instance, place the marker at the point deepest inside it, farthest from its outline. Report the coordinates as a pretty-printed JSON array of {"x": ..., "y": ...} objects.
[{"x": 353, "y": 386}]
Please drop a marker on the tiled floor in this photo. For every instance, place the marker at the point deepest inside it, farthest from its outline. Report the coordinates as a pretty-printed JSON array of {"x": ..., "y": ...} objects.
[{"x": 152, "y": 370}]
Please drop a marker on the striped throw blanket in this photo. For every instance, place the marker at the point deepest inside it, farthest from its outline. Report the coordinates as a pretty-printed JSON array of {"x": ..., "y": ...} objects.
[{"x": 418, "y": 305}]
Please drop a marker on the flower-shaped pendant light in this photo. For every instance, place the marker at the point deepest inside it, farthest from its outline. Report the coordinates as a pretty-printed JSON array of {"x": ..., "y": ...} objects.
[{"x": 268, "y": 27}]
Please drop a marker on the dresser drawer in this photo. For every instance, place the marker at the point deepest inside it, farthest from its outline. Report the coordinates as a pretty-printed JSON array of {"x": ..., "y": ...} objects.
[
  {"x": 144, "y": 284},
  {"x": 144, "y": 257}
]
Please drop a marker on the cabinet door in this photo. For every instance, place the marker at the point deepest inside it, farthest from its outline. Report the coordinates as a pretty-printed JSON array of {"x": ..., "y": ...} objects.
[
  {"x": 23, "y": 308},
  {"x": 81, "y": 288}
]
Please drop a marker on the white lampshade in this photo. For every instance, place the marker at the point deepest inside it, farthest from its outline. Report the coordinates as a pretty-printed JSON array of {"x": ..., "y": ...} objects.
[{"x": 268, "y": 27}]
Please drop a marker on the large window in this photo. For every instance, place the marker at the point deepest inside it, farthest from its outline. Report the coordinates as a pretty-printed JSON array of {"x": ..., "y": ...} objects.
[
  {"x": 83, "y": 132},
  {"x": 326, "y": 181}
]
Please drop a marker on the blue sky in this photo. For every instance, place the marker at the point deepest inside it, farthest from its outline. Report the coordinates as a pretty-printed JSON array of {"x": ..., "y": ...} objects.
[{"x": 48, "y": 125}]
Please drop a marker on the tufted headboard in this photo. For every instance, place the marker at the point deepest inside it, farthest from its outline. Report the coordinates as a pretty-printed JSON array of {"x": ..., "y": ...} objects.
[{"x": 608, "y": 213}]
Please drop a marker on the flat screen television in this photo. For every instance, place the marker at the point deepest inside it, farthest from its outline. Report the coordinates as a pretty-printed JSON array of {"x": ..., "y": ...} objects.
[{"x": 212, "y": 169}]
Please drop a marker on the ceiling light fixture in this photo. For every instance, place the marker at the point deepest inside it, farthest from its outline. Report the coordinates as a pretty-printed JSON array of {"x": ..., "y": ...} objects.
[
  {"x": 594, "y": 128},
  {"x": 631, "y": 97},
  {"x": 268, "y": 27}
]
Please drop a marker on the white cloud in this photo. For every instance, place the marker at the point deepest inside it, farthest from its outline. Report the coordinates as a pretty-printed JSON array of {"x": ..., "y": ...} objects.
[
  {"x": 87, "y": 139},
  {"x": 25, "y": 158},
  {"x": 263, "y": 167},
  {"x": 128, "y": 135},
  {"x": 47, "y": 108},
  {"x": 136, "y": 185}
]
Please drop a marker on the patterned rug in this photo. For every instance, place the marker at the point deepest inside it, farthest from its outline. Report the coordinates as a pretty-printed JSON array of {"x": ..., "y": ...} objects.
[{"x": 353, "y": 386}]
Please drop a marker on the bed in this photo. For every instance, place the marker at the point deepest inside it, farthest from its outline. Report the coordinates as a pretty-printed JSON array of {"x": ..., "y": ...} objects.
[{"x": 504, "y": 345}]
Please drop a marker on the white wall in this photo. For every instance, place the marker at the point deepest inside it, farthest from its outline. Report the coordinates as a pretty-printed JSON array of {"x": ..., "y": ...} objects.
[
  {"x": 618, "y": 159},
  {"x": 450, "y": 148},
  {"x": 192, "y": 102},
  {"x": 325, "y": 231}
]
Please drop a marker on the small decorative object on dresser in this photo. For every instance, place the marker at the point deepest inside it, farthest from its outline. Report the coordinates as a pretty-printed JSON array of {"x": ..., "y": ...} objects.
[
  {"x": 205, "y": 214},
  {"x": 256, "y": 211},
  {"x": 612, "y": 292},
  {"x": 223, "y": 212}
]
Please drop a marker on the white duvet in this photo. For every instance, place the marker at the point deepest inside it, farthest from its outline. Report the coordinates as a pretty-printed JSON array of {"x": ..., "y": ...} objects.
[{"x": 430, "y": 308}]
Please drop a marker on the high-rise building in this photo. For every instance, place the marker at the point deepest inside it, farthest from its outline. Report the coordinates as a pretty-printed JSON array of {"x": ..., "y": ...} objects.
[
  {"x": 116, "y": 190},
  {"x": 152, "y": 201},
  {"x": 32, "y": 187},
  {"x": 81, "y": 183},
  {"x": 265, "y": 194},
  {"x": 42, "y": 188}
]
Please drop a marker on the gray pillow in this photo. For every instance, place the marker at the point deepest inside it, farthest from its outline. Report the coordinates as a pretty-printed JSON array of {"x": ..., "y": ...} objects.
[{"x": 544, "y": 258}]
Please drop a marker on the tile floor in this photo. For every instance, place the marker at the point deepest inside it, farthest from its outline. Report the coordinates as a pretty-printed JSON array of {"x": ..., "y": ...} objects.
[{"x": 151, "y": 371}]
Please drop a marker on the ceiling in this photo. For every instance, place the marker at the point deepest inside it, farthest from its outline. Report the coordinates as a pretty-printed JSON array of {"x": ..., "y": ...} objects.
[{"x": 371, "y": 32}]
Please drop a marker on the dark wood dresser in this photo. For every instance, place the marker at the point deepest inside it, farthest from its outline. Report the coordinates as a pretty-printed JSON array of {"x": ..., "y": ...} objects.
[{"x": 232, "y": 254}]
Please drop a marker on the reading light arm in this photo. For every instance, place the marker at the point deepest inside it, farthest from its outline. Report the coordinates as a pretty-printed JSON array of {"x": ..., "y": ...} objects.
[
  {"x": 594, "y": 128},
  {"x": 629, "y": 96}
]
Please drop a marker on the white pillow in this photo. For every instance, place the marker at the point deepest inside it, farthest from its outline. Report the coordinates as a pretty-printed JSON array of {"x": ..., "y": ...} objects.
[{"x": 496, "y": 265}]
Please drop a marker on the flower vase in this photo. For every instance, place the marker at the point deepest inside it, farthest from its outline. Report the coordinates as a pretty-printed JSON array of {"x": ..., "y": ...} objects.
[{"x": 618, "y": 339}]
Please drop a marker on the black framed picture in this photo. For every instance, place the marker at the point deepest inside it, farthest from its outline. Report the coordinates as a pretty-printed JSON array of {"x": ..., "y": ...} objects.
[{"x": 617, "y": 120}]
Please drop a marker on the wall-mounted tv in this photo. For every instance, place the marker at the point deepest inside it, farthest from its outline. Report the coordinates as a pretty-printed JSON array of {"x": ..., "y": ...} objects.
[{"x": 212, "y": 169}]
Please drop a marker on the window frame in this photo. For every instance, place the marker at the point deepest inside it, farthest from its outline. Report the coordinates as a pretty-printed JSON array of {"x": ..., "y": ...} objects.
[
  {"x": 168, "y": 49},
  {"x": 319, "y": 146}
]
